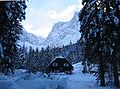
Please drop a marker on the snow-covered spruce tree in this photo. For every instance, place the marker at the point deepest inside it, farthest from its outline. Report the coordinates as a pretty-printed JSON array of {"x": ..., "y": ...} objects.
[
  {"x": 30, "y": 62},
  {"x": 78, "y": 52},
  {"x": 42, "y": 61},
  {"x": 100, "y": 38},
  {"x": 11, "y": 14},
  {"x": 21, "y": 57},
  {"x": 47, "y": 56}
]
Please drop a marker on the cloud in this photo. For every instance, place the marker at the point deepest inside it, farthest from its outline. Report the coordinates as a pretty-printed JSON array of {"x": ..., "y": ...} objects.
[
  {"x": 28, "y": 27},
  {"x": 52, "y": 14},
  {"x": 44, "y": 31},
  {"x": 63, "y": 15},
  {"x": 39, "y": 21},
  {"x": 68, "y": 11},
  {"x": 80, "y": 1},
  {"x": 79, "y": 7}
]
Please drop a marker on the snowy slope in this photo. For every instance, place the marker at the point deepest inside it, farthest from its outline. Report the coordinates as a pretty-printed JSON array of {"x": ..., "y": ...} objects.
[
  {"x": 29, "y": 39},
  {"x": 64, "y": 32},
  {"x": 28, "y": 45},
  {"x": 23, "y": 80}
]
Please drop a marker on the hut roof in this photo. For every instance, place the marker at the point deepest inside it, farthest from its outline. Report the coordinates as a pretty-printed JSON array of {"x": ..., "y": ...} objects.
[{"x": 59, "y": 58}]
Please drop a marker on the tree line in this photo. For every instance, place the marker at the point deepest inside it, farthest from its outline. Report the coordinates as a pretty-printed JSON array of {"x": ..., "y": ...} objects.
[{"x": 36, "y": 60}]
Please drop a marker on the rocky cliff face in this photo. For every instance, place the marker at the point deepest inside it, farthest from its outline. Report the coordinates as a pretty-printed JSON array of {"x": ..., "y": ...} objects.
[{"x": 64, "y": 32}]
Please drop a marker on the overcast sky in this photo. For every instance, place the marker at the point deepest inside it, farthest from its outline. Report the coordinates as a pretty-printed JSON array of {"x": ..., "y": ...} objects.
[{"x": 41, "y": 15}]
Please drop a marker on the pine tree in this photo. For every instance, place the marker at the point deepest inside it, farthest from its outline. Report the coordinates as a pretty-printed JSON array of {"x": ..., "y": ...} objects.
[
  {"x": 11, "y": 14},
  {"x": 100, "y": 25},
  {"x": 42, "y": 60},
  {"x": 21, "y": 57},
  {"x": 31, "y": 60},
  {"x": 48, "y": 56}
]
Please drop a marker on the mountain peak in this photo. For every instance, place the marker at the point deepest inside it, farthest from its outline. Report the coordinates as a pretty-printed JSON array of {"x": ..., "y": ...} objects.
[
  {"x": 64, "y": 32},
  {"x": 75, "y": 16}
]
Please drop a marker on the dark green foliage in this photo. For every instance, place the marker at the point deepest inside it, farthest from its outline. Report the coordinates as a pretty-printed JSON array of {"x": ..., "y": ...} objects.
[
  {"x": 100, "y": 28},
  {"x": 36, "y": 60},
  {"x": 11, "y": 14},
  {"x": 21, "y": 57}
]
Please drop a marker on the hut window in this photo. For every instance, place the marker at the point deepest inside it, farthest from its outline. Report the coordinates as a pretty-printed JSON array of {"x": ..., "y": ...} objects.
[
  {"x": 56, "y": 71},
  {"x": 67, "y": 72},
  {"x": 66, "y": 64},
  {"x": 55, "y": 64}
]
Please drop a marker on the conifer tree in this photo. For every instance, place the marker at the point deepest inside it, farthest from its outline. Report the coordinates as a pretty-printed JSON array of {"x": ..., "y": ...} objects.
[
  {"x": 11, "y": 14},
  {"x": 100, "y": 28}
]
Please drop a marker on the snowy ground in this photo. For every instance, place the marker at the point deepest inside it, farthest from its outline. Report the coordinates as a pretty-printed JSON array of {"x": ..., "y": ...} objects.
[{"x": 23, "y": 80}]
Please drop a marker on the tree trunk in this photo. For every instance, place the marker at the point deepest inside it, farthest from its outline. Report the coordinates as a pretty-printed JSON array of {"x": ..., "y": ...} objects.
[
  {"x": 101, "y": 72},
  {"x": 115, "y": 73}
]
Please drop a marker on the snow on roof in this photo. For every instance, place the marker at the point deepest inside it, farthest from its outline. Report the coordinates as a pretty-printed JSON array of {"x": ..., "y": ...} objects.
[{"x": 61, "y": 57}]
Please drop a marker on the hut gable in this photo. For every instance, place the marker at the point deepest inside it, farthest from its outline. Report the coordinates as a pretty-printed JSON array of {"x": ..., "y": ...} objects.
[{"x": 59, "y": 65}]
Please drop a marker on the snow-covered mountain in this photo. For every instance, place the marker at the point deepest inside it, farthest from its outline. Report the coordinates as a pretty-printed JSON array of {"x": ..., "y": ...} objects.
[
  {"x": 29, "y": 39},
  {"x": 64, "y": 32}
]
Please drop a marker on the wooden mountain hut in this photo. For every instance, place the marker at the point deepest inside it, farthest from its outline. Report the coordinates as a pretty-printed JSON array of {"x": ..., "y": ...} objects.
[{"x": 59, "y": 65}]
